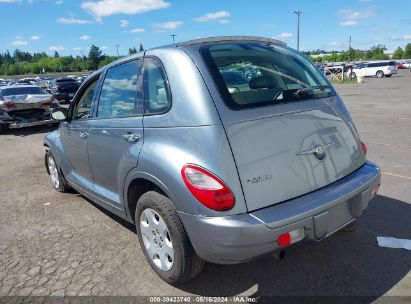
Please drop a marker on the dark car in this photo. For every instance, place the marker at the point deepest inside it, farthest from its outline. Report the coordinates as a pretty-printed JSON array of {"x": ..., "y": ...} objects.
[{"x": 63, "y": 89}]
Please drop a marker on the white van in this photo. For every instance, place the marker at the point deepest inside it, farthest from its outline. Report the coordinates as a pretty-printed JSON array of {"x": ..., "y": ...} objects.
[{"x": 379, "y": 69}]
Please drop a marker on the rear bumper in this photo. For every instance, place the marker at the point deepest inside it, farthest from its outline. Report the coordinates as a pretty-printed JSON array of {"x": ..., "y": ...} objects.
[{"x": 243, "y": 237}]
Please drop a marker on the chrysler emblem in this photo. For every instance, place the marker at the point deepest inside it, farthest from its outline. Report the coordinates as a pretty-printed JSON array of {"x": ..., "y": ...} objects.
[{"x": 319, "y": 152}]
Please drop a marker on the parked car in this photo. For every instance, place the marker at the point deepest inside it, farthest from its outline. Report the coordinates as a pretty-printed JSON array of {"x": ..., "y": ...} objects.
[
  {"x": 24, "y": 106},
  {"x": 63, "y": 89},
  {"x": 407, "y": 64},
  {"x": 400, "y": 65},
  {"x": 379, "y": 69},
  {"x": 207, "y": 173}
]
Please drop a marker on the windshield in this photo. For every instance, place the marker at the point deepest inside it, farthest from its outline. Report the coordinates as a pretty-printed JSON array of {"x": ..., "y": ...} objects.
[
  {"x": 258, "y": 74},
  {"x": 22, "y": 91}
]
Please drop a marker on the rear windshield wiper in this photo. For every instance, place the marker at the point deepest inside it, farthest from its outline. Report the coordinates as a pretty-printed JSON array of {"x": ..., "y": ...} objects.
[{"x": 304, "y": 91}]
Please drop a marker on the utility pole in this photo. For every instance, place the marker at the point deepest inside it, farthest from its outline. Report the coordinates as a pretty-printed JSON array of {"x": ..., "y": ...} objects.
[
  {"x": 174, "y": 36},
  {"x": 298, "y": 13},
  {"x": 117, "y": 45}
]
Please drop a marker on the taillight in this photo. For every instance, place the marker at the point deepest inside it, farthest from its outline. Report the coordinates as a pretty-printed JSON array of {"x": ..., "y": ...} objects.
[
  {"x": 390, "y": 68},
  {"x": 208, "y": 188},
  {"x": 288, "y": 238},
  {"x": 364, "y": 148}
]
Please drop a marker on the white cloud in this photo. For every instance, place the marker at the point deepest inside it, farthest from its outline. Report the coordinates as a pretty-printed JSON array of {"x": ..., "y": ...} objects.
[
  {"x": 166, "y": 26},
  {"x": 19, "y": 42},
  {"x": 335, "y": 44},
  {"x": 85, "y": 37},
  {"x": 77, "y": 49},
  {"x": 406, "y": 37},
  {"x": 137, "y": 30},
  {"x": 9, "y": 1},
  {"x": 72, "y": 21},
  {"x": 104, "y": 47},
  {"x": 58, "y": 48},
  {"x": 123, "y": 23},
  {"x": 351, "y": 17},
  {"x": 285, "y": 35},
  {"x": 213, "y": 16},
  {"x": 349, "y": 23},
  {"x": 58, "y": 2},
  {"x": 35, "y": 37},
  {"x": 224, "y": 21},
  {"x": 104, "y": 8}
]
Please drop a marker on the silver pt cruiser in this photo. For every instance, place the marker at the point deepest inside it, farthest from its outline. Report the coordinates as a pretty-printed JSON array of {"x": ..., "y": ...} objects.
[{"x": 222, "y": 149}]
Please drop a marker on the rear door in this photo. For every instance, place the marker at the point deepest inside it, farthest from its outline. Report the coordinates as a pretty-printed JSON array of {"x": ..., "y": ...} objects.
[
  {"x": 115, "y": 136},
  {"x": 286, "y": 137}
]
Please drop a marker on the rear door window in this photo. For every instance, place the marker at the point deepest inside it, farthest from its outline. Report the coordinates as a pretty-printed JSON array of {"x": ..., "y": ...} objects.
[
  {"x": 118, "y": 97},
  {"x": 259, "y": 74},
  {"x": 156, "y": 90}
]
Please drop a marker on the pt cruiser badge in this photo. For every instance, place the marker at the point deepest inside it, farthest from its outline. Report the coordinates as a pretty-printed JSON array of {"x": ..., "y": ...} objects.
[{"x": 320, "y": 152}]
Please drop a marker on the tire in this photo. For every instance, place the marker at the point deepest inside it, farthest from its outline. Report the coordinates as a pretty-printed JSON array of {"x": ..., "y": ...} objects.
[
  {"x": 57, "y": 179},
  {"x": 3, "y": 128},
  {"x": 180, "y": 263},
  {"x": 352, "y": 75},
  {"x": 380, "y": 74}
]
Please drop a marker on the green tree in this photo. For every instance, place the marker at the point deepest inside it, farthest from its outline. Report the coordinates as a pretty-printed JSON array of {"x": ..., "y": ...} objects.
[
  {"x": 141, "y": 48},
  {"x": 94, "y": 57},
  {"x": 398, "y": 53},
  {"x": 132, "y": 50},
  {"x": 56, "y": 54},
  {"x": 407, "y": 51},
  {"x": 107, "y": 60}
]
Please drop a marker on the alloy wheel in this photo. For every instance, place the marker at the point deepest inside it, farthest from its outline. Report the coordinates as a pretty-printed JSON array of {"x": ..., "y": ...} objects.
[{"x": 53, "y": 172}]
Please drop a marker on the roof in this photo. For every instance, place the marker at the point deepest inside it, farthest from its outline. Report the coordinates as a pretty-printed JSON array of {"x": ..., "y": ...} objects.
[{"x": 232, "y": 38}]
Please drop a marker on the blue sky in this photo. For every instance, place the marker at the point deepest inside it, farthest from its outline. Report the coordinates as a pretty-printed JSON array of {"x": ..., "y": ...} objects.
[{"x": 71, "y": 26}]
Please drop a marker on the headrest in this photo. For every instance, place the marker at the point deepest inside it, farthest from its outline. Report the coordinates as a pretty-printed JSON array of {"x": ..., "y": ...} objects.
[{"x": 262, "y": 82}]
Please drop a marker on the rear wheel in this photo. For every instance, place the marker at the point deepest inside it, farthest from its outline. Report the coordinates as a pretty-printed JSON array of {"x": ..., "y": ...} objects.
[
  {"x": 352, "y": 75},
  {"x": 58, "y": 181},
  {"x": 164, "y": 241},
  {"x": 380, "y": 74}
]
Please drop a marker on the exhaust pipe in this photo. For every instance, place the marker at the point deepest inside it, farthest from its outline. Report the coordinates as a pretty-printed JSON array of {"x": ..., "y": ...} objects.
[{"x": 279, "y": 255}]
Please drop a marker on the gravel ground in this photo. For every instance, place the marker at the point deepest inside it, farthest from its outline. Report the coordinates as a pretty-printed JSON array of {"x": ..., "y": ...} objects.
[{"x": 63, "y": 244}]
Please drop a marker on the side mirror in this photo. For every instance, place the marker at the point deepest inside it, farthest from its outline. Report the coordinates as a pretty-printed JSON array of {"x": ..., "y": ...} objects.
[{"x": 59, "y": 114}]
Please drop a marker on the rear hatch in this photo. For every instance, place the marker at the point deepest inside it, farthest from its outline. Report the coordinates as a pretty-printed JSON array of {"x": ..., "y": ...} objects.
[
  {"x": 275, "y": 157},
  {"x": 286, "y": 134}
]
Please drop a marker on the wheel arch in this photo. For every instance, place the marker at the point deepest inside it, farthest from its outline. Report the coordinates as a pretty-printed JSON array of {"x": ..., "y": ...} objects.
[{"x": 137, "y": 184}]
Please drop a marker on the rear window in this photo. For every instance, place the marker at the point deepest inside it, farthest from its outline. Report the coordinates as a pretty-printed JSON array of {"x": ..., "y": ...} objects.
[
  {"x": 259, "y": 74},
  {"x": 22, "y": 91}
]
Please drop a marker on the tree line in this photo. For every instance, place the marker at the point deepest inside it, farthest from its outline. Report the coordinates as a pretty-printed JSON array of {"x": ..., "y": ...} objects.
[
  {"x": 374, "y": 53},
  {"x": 22, "y": 63}
]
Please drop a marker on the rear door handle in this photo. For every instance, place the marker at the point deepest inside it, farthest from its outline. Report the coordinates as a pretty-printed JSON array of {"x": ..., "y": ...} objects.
[
  {"x": 83, "y": 135},
  {"x": 131, "y": 137}
]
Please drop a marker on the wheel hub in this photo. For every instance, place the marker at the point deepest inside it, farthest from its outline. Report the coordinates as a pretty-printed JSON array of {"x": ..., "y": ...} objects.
[{"x": 157, "y": 240}]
